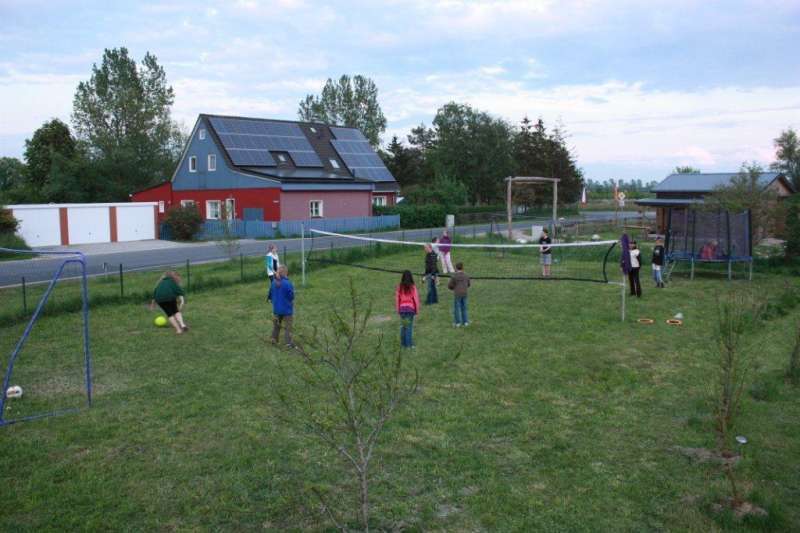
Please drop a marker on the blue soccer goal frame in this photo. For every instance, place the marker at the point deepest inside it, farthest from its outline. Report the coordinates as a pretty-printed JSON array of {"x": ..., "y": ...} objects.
[{"x": 72, "y": 258}]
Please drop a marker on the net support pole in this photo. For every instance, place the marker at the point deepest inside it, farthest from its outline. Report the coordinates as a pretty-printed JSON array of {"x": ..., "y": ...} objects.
[
  {"x": 623, "y": 296},
  {"x": 555, "y": 207},
  {"x": 509, "y": 181},
  {"x": 303, "y": 252}
]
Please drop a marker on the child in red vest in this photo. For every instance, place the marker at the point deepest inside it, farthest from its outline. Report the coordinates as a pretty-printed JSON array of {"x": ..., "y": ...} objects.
[{"x": 406, "y": 300}]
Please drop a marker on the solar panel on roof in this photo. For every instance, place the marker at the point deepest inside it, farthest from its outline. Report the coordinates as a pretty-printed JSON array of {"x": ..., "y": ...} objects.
[
  {"x": 361, "y": 159},
  {"x": 261, "y": 137},
  {"x": 348, "y": 134}
]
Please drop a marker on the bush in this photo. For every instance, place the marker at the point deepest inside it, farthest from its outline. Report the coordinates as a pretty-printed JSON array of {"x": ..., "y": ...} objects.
[
  {"x": 15, "y": 242},
  {"x": 793, "y": 227},
  {"x": 184, "y": 222},
  {"x": 8, "y": 224}
]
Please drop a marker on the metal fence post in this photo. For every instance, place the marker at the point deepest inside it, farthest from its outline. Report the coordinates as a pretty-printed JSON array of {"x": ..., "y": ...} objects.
[
  {"x": 121, "y": 283},
  {"x": 24, "y": 297},
  {"x": 302, "y": 252},
  {"x": 241, "y": 266}
]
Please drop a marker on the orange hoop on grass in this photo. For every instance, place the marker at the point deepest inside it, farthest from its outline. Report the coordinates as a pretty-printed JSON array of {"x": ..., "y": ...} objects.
[
  {"x": 646, "y": 321},
  {"x": 674, "y": 322}
]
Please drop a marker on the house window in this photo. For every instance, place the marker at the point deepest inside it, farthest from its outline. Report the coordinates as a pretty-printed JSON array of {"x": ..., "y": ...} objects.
[
  {"x": 202, "y": 135},
  {"x": 334, "y": 163},
  {"x": 213, "y": 209},
  {"x": 193, "y": 164},
  {"x": 212, "y": 162},
  {"x": 161, "y": 207},
  {"x": 187, "y": 203},
  {"x": 282, "y": 158},
  {"x": 315, "y": 209},
  {"x": 379, "y": 201},
  {"x": 313, "y": 129}
]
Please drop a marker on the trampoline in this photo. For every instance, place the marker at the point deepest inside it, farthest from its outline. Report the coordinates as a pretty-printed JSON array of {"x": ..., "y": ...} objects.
[{"x": 696, "y": 236}]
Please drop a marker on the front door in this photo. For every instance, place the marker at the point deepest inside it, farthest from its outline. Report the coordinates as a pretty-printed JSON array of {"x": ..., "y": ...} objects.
[{"x": 230, "y": 208}]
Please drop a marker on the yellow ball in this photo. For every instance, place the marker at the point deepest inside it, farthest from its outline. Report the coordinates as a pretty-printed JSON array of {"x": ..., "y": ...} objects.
[{"x": 160, "y": 321}]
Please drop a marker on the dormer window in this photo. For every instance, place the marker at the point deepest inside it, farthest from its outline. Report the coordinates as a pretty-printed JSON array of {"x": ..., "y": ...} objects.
[
  {"x": 334, "y": 163},
  {"x": 313, "y": 129},
  {"x": 202, "y": 134},
  {"x": 281, "y": 158}
]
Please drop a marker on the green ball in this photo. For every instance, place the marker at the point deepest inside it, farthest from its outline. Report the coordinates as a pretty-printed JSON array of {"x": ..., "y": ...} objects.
[{"x": 160, "y": 321}]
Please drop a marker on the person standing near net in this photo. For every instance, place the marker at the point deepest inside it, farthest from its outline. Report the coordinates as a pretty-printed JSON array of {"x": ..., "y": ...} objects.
[
  {"x": 431, "y": 274},
  {"x": 658, "y": 262},
  {"x": 633, "y": 274},
  {"x": 281, "y": 292},
  {"x": 406, "y": 300},
  {"x": 271, "y": 263},
  {"x": 444, "y": 253},
  {"x": 459, "y": 283},
  {"x": 545, "y": 255},
  {"x": 169, "y": 295}
]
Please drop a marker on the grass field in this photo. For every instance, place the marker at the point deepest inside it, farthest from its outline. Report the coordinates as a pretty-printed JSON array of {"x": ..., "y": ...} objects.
[{"x": 555, "y": 416}]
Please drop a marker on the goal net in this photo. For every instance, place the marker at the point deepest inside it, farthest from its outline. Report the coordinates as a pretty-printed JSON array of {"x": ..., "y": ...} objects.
[
  {"x": 487, "y": 257},
  {"x": 44, "y": 335}
]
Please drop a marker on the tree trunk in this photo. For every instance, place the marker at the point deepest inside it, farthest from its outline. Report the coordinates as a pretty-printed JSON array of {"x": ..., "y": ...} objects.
[{"x": 364, "y": 499}]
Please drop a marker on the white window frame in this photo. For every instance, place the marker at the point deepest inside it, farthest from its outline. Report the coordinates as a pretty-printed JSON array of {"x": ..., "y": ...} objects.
[
  {"x": 208, "y": 209},
  {"x": 320, "y": 207},
  {"x": 202, "y": 134},
  {"x": 380, "y": 200},
  {"x": 334, "y": 163},
  {"x": 212, "y": 162},
  {"x": 230, "y": 208},
  {"x": 188, "y": 203},
  {"x": 193, "y": 163}
]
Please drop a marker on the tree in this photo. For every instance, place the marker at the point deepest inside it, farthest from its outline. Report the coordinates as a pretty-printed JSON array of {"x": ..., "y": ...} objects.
[
  {"x": 472, "y": 147},
  {"x": 12, "y": 174},
  {"x": 746, "y": 192},
  {"x": 361, "y": 385},
  {"x": 350, "y": 102},
  {"x": 686, "y": 170},
  {"x": 539, "y": 153},
  {"x": 122, "y": 113},
  {"x": 787, "y": 151},
  {"x": 51, "y": 142},
  {"x": 407, "y": 164}
]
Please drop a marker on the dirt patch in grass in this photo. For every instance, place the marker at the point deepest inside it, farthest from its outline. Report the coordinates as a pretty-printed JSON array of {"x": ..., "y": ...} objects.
[
  {"x": 704, "y": 455},
  {"x": 740, "y": 510}
]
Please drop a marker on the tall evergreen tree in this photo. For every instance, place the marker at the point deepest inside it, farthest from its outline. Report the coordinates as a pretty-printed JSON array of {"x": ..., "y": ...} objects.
[{"x": 787, "y": 151}]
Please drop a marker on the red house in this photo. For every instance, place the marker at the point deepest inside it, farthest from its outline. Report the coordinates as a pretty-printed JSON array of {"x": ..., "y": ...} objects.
[{"x": 273, "y": 170}]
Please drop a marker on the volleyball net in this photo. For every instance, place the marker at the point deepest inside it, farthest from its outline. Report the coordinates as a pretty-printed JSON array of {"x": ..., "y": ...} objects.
[{"x": 487, "y": 257}]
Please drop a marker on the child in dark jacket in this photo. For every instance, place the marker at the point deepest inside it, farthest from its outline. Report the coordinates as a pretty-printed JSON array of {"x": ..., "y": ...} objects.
[
  {"x": 281, "y": 292},
  {"x": 406, "y": 300},
  {"x": 658, "y": 262},
  {"x": 431, "y": 274},
  {"x": 459, "y": 283}
]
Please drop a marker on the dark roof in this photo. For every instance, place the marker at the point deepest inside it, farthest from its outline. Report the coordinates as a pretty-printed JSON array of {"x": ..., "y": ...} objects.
[
  {"x": 295, "y": 170},
  {"x": 706, "y": 181},
  {"x": 668, "y": 202}
]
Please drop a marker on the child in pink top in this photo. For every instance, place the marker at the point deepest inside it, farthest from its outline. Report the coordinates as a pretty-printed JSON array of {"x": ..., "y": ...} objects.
[{"x": 406, "y": 300}]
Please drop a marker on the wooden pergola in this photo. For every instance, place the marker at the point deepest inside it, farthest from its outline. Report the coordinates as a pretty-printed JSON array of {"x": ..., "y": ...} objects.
[{"x": 530, "y": 179}]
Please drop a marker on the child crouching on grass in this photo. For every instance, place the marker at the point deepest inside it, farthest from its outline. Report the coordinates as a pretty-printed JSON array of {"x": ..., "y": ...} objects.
[
  {"x": 169, "y": 296},
  {"x": 281, "y": 292},
  {"x": 459, "y": 283},
  {"x": 406, "y": 300}
]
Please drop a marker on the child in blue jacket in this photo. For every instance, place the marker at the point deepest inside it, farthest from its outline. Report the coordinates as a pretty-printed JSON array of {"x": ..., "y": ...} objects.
[{"x": 281, "y": 292}]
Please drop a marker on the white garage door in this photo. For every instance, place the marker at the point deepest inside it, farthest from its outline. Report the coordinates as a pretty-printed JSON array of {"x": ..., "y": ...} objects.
[
  {"x": 135, "y": 223},
  {"x": 39, "y": 227},
  {"x": 89, "y": 224}
]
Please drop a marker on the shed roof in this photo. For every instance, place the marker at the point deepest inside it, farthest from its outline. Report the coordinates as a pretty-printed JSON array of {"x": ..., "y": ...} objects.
[{"x": 706, "y": 181}]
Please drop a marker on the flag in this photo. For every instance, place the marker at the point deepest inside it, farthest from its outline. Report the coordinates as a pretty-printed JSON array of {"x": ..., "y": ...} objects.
[{"x": 583, "y": 196}]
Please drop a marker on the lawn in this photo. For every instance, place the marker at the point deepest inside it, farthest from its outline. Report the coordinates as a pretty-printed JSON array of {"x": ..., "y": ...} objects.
[{"x": 546, "y": 414}]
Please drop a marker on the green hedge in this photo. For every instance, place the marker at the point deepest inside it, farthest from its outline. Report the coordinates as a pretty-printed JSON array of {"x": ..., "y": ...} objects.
[
  {"x": 416, "y": 216},
  {"x": 11, "y": 240}
]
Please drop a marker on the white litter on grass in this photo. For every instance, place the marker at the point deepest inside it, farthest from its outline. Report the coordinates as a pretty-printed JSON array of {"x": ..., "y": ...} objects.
[
  {"x": 678, "y": 316},
  {"x": 14, "y": 391},
  {"x": 595, "y": 237}
]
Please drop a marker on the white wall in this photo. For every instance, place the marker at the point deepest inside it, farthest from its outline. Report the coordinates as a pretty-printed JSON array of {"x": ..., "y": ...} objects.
[
  {"x": 39, "y": 227},
  {"x": 135, "y": 223},
  {"x": 89, "y": 225}
]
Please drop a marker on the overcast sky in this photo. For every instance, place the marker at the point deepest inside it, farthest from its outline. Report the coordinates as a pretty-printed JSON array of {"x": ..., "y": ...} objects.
[{"x": 639, "y": 86}]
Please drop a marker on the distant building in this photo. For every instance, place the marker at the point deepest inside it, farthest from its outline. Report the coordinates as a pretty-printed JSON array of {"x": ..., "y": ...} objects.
[
  {"x": 273, "y": 170},
  {"x": 682, "y": 191}
]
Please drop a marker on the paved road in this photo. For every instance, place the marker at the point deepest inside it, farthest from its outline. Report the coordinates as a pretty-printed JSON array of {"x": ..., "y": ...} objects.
[{"x": 161, "y": 254}]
